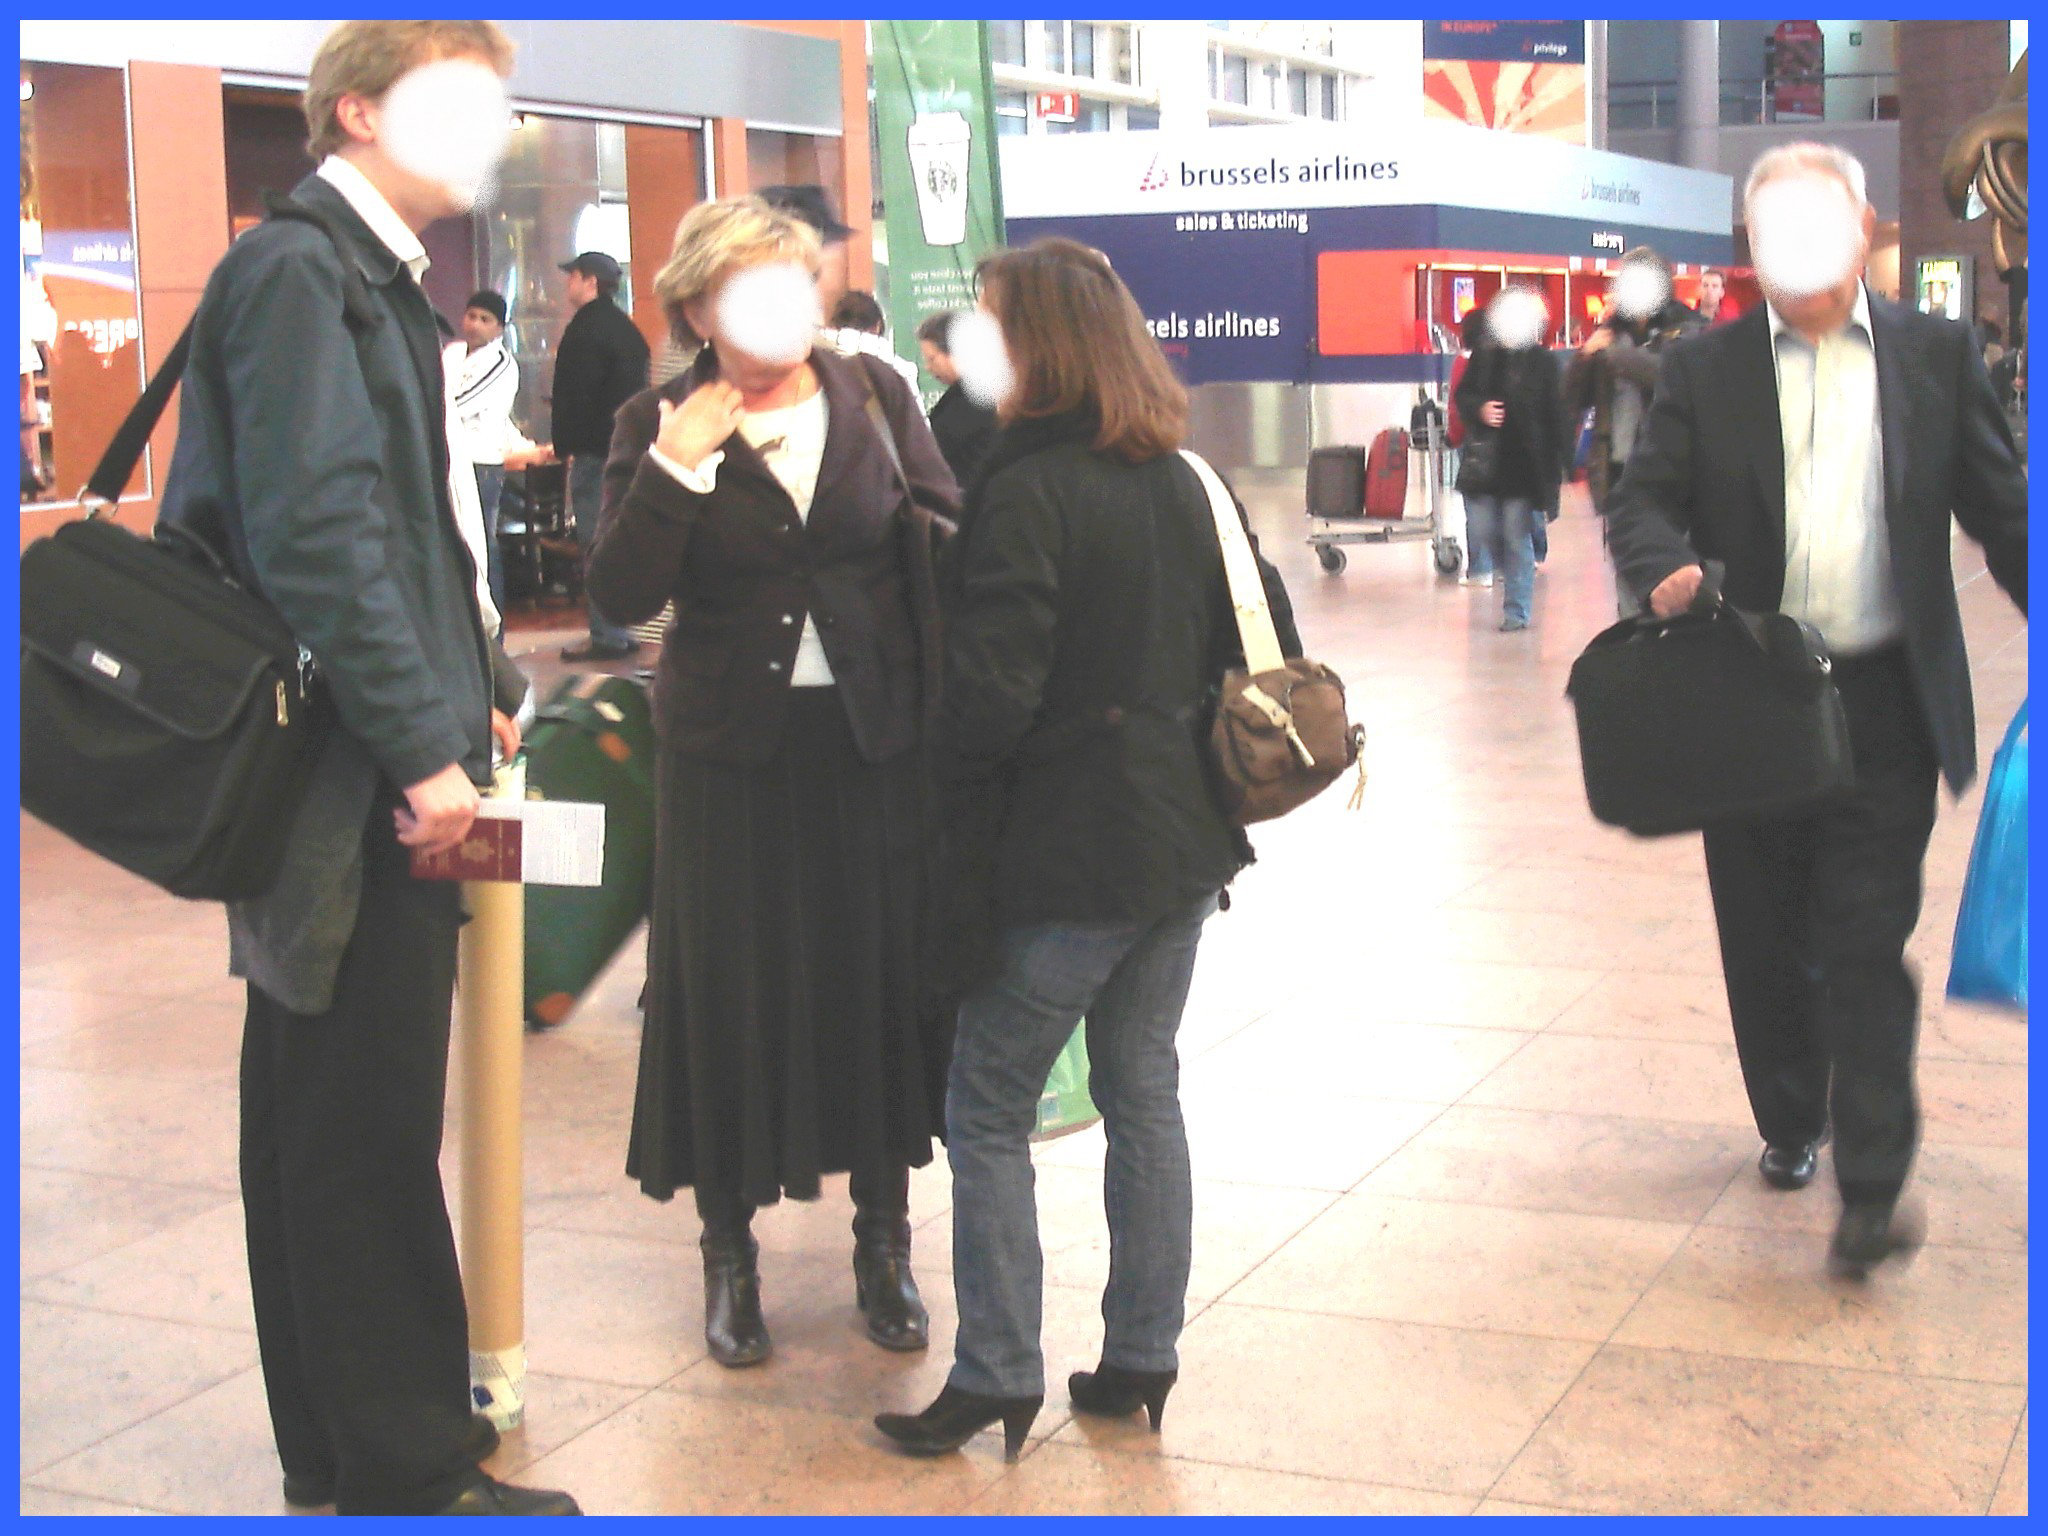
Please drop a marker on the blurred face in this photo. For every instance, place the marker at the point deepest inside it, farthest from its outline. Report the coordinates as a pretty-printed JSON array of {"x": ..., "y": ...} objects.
[
  {"x": 1810, "y": 240},
  {"x": 763, "y": 319},
  {"x": 582, "y": 289},
  {"x": 431, "y": 144},
  {"x": 480, "y": 328},
  {"x": 1713, "y": 288},
  {"x": 938, "y": 364}
]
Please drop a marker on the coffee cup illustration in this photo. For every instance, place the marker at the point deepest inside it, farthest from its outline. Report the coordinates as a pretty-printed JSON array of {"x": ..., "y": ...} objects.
[{"x": 938, "y": 162}]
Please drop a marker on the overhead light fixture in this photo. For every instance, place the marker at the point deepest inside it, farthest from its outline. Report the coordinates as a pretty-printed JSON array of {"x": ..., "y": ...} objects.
[{"x": 28, "y": 88}]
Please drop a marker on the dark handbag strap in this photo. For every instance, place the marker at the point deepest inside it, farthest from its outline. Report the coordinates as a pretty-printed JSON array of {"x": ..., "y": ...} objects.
[{"x": 887, "y": 433}]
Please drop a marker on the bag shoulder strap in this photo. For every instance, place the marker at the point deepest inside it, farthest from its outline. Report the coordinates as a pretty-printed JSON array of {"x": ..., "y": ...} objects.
[
  {"x": 887, "y": 433},
  {"x": 1247, "y": 592},
  {"x": 124, "y": 452}
]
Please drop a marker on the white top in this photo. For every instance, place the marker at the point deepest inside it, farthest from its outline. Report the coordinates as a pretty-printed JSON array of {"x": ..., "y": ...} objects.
[
  {"x": 388, "y": 227},
  {"x": 851, "y": 343},
  {"x": 483, "y": 385},
  {"x": 1838, "y": 560},
  {"x": 791, "y": 442}
]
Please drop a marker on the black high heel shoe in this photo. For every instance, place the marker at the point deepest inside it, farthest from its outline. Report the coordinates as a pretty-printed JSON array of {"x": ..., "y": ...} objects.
[
  {"x": 883, "y": 1286},
  {"x": 1113, "y": 1392},
  {"x": 956, "y": 1417},
  {"x": 734, "y": 1330}
]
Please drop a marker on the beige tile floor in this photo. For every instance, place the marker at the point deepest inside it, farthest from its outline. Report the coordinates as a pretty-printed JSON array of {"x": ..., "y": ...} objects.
[{"x": 1478, "y": 1227}]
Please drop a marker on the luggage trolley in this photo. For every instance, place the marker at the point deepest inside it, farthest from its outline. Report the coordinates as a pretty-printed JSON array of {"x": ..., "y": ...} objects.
[{"x": 1390, "y": 493}]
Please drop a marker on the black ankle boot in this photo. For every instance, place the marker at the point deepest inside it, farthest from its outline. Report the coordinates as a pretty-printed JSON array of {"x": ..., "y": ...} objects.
[
  {"x": 883, "y": 1285},
  {"x": 956, "y": 1417},
  {"x": 1113, "y": 1392},
  {"x": 733, "y": 1327}
]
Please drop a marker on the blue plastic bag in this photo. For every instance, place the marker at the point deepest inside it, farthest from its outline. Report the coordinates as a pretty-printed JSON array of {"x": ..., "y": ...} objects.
[{"x": 1989, "y": 964}]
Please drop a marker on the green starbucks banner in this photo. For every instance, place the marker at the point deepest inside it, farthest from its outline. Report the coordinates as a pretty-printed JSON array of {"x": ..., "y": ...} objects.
[{"x": 935, "y": 126}]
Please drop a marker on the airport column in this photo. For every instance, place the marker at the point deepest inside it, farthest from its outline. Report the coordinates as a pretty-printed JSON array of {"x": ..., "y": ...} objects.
[{"x": 1699, "y": 94}]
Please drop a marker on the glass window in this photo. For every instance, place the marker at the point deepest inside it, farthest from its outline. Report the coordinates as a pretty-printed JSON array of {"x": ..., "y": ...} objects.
[
  {"x": 1330, "y": 94},
  {"x": 1141, "y": 118},
  {"x": 1084, "y": 48},
  {"x": 1006, "y": 42},
  {"x": 81, "y": 328},
  {"x": 1215, "y": 74},
  {"x": 1237, "y": 82},
  {"x": 1053, "y": 38},
  {"x": 1297, "y": 92},
  {"x": 1013, "y": 112},
  {"x": 1119, "y": 54}
]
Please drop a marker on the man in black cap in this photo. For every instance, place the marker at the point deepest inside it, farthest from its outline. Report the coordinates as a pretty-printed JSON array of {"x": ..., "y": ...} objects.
[
  {"x": 483, "y": 385},
  {"x": 600, "y": 365}
]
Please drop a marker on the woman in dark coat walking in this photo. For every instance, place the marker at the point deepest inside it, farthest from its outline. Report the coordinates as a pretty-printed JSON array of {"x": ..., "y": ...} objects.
[
  {"x": 785, "y": 1035},
  {"x": 1088, "y": 625},
  {"x": 1517, "y": 442}
]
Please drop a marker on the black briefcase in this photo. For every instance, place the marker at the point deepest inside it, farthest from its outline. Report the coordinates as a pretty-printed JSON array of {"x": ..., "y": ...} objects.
[
  {"x": 169, "y": 720},
  {"x": 1717, "y": 716}
]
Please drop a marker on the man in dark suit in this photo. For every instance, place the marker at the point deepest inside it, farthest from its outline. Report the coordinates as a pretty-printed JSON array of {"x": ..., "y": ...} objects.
[
  {"x": 312, "y": 441},
  {"x": 1817, "y": 447},
  {"x": 600, "y": 365}
]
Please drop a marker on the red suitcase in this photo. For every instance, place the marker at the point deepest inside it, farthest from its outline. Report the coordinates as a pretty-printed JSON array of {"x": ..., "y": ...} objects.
[{"x": 1386, "y": 474}]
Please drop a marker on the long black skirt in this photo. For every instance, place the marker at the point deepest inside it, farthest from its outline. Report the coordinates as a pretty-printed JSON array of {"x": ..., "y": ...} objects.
[{"x": 785, "y": 1038}]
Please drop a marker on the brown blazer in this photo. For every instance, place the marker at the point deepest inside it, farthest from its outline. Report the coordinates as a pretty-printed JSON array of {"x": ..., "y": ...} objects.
[{"x": 743, "y": 570}]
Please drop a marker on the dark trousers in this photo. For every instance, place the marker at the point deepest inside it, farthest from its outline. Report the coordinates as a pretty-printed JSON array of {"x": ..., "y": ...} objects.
[
  {"x": 360, "y": 1319},
  {"x": 1814, "y": 914},
  {"x": 880, "y": 1198}
]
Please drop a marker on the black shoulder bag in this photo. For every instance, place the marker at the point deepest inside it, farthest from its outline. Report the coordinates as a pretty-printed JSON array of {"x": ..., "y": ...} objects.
[{"x": 169, "y": 719}]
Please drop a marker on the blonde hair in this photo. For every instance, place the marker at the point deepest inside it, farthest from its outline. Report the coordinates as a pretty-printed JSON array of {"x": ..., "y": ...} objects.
[
  {"x": 367, "y": 58},
  {"x": 715, "y": 240}
]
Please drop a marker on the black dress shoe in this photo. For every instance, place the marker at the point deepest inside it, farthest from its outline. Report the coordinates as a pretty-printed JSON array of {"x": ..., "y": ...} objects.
[
  {"x": 883, "y": 1286},
  {"x": 316, "y": 1490},
  {"x": 734, "y": 1330},
  {"x": 1112, "y": 1392},
  {"x": 1790, "y": 1167},
  {"x": 596, "y": 650},
  {"x": 491, "y": 1497},
  {"x": 956, "y": 1417},
  {"x": 1869, "y": 1233}
]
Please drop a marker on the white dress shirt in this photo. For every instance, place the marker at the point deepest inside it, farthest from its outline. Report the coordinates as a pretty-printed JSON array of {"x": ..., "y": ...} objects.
[
  {"x": 851, "y": 343},
  {"x": 792, "y": 443},
  {"x": 388, "y": 227},
  {"x": 1838, "y": 562}
]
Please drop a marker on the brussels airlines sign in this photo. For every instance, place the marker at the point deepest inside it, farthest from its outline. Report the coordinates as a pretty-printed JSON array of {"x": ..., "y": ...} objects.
[{"x": 1218, "y": 232}]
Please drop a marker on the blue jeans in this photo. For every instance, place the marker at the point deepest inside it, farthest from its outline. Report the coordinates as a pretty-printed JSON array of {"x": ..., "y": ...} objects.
[
  {"x": 1505, "y": 525},
  {"x": 586, "y": 502},
  {"x": 490, "y": 488},
  {"x": 1131, "y": 982}
]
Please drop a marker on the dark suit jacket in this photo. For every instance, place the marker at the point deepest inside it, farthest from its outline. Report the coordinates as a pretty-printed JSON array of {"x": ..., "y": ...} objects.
[
  {"x": 600, "y": 365},
  {"x": 1707, "y": 481},
  {"x": 325, "y": 440},
  {"x": 965, "y": 432},
  {"x": 743, "y": 569}
]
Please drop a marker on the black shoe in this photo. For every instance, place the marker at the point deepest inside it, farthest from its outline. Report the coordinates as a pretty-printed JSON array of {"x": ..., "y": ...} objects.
[
  {"x": 491, "y": 1497},
  {"x": 734, "y": 1330},
  {"x": 597, "y": 650},
  {"x": 1113, "y": 1392},
  {"x": 883, "y": 1286},
  {"x": 317, "y": 1490},
  {"x": 1790, "y": 1167},
  {"x": 956, "y": 1417},
  {"x": 1869, "y": 1233}
]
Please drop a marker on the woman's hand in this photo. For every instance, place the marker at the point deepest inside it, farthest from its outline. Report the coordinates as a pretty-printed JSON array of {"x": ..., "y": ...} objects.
[
  {"x": 1493, "y": 413},
  {"x": 506, "y": 729},
  {"x": 691, "y": 432}
]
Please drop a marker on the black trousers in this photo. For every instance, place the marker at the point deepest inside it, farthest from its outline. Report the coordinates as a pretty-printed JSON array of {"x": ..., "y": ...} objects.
[
  {"x": 1814, "y": 913},
  {"x": 360, "y": 1319}
]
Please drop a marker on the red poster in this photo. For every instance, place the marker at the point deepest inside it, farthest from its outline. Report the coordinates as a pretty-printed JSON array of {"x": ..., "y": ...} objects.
[{"x": 1798, "y": 67}]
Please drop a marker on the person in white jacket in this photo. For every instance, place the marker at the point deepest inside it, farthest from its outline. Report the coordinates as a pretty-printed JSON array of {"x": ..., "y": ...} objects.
[{"x": 483, "y": 383}]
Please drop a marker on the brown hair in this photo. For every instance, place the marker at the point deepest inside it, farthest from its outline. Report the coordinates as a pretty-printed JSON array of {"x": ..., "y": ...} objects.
[
  {"x": 714, "y": 241},
  {"x": 1078, "y": 342},
  {"x": 367, "y": 58}
]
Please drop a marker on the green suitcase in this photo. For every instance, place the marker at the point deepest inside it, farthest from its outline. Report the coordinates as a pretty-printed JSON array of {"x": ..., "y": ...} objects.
[{"x": 593, "y": 741}]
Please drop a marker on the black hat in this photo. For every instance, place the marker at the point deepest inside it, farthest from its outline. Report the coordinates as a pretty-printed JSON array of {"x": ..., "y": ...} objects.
[
  {"x": 597, "y": 264},
  {"x": 809, "y": 203},
  {"x": 490, "y": 302}
]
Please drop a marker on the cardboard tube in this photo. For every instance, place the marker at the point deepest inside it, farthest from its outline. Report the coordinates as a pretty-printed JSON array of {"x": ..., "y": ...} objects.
[{"x": 493, "y": 1040}]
